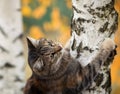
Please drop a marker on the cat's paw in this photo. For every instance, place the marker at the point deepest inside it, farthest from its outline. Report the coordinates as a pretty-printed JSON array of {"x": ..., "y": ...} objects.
[{"x": 108, "y": 44}]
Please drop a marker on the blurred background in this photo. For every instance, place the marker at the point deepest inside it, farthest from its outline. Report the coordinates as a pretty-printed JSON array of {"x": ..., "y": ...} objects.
[{"x": 51, "y": 19}]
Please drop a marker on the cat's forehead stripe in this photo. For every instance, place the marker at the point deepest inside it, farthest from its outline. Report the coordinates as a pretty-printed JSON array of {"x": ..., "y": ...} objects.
[{"x": 44, "y": 41}]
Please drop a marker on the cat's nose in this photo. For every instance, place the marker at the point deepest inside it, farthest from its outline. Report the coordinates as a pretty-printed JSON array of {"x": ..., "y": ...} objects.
[{"x": 57, "y": 49}]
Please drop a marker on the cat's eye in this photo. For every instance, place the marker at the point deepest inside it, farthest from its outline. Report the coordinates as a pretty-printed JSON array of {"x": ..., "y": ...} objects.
[
  {"x": 50, "y": 44},
  {"x": 45, "y": 50},
  {"x": 32, "y": 58},
  {"x": 52, "y": 55}
]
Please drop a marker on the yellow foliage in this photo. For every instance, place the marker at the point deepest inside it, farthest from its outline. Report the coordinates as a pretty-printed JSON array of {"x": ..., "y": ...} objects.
[
  {"x": 64, "y": 35},
  {"x": 45, "y": 3},
  {"x": 69, "y": 4},
  {"x": 47, "y": 26},
  {"x": 26, "y": 1},
  {"x": 26, "y": 11},
  {"x": 115, "y": 70},
  {"x": 55, "y": 15},
  {"x": 39, "y": 12},
  {"x": 56, "y": 21},
  {"x": 117, "y": 5},
  {"x": 36, "y": 32}
]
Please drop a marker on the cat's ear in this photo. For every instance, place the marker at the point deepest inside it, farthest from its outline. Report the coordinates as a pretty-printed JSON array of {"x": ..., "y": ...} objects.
[{"x": 32, "y": 43}]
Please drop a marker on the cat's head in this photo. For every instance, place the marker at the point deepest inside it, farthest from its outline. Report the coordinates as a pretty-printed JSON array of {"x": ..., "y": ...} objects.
[{"x": 42, "y": 55}]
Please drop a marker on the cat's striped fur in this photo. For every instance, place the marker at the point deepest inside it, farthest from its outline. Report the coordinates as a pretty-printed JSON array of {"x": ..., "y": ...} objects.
[{"x": 58, "y": 73}]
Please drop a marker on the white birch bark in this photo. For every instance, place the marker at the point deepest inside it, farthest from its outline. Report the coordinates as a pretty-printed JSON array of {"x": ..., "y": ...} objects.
[
  {"x": 11, "y": 48},
  {"x": 92, "y": 22}
]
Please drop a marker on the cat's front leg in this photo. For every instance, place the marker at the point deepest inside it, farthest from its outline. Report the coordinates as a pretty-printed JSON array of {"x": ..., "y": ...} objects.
[{"x": 90, "y": 71}]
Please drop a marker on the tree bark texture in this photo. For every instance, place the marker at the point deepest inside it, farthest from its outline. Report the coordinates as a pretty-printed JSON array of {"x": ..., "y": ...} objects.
[
  {"x": 11, "y": 48},
  {"x": 92, "y": 22}
]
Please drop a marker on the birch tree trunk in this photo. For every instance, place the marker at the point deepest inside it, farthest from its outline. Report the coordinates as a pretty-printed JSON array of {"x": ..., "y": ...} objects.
[
  {"x": 92, "y": 22},
  {"x": 11, "y": 48}
]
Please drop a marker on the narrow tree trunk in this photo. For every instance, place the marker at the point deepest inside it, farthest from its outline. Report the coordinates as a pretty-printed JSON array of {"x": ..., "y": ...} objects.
[
  {"x": 11, "y": 48},
  {"x": 92, "y": 22}
]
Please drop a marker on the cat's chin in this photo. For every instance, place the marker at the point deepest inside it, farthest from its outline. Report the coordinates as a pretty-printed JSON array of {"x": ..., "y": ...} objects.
[
  {"x": 55, "y": 66},
  {"x": 41, "y": 74},
  {"x": 39, "y": 70}
]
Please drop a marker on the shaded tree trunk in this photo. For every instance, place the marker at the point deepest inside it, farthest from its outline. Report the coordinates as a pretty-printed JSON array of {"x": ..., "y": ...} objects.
[
  {"x": 92, "y": 22},
  {"x": 11, "y": 48}
]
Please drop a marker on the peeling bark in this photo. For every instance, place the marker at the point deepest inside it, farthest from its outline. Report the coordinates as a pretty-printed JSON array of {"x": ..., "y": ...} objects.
[
  {"x": 11, "y": 48},
  {"x": 92, "y": 22}
]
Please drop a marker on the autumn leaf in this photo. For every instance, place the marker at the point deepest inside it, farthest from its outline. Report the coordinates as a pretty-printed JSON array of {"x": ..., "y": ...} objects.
[
  {"x": 26, "y": 11},
  {"x": 39, "y": 12},
  {"x": 45, "y": 3},
  {"x": 25, "y": 2},
  {"x": 36, "y": 32}
]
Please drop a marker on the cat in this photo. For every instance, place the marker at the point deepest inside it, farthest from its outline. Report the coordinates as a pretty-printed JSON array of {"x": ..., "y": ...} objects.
[{"x": 54, "y": 71}]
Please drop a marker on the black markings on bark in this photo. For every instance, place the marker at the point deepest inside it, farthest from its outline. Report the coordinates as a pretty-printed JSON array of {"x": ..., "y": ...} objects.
[
  {"x": 73, "y": 47},
  {"x": 108, "y": 6},
  {"x": 22, "y": 89},
  {"x": 4, "y": 50},
  {"x": 1, "y": 77},
  {"x": 103, "y": 29},
  {"x": 77, "y": 10},
  {"x": 77, "y": 32},
  {"x": 88, "y": 49},
  {"x": 93, "y": 12},
  {"x": 91, "y": 50},
  {"x": 3, "y": 32},
  {"x": 75, "y": 28},
  {"x": 8, "y": 65},
  {"x": 80, "y": 28},
  {"x": 79, "y": 49},
  {"x": 99, "y": 79},
  {"x": 18, "y": 37},
  {"x": 72, "y": 24},
  {"x": 102, "y": 12},
  {"x": 20, "y": 54},
  {"x": 17, "y": 79},
  {"x": 89, "y": 6},
  {"x": 19, "y": 9},
  {"x": 107, "y": 84},
  {"x": 93, "y": 21},
  {"x": 114, "y": 26},
  {"x": 81, "y": 20}
]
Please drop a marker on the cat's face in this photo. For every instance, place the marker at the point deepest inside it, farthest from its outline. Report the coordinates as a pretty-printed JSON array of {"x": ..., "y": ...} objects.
[{"x": 43, "y": 54}]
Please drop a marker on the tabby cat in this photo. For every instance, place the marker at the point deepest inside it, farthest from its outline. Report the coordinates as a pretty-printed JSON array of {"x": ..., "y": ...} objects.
[{"x": 54, "y": 71}]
